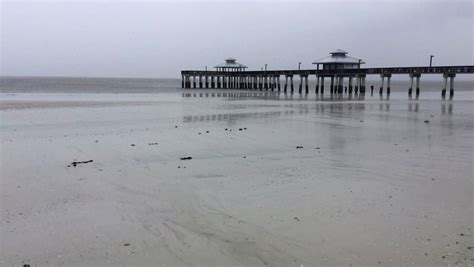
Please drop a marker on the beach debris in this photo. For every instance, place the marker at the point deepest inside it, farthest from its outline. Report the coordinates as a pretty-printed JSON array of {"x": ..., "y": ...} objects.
[
  {"x": 126, "y": 244},
  {"x": 240, "y": 129},
  {"x": 427, "y": 121},
  {"x": 318, "y": 148},
  {"x": 179, "y": 167},
  {"x": 75, "y": 163},
  {"x": 296, "y": 219},
  {"x": 244, "y": 157},
  {"x": 207, "y": 131},
  {"x": 152, "y": 144},
  {"x": 186, "y": 158},
  {"x": 26, "y": 265},
  {"x": 176, "y": 126},
  {"x": 298, "y": 147},
  {"x": 132, "y": 145},
  {"x": 245, "y": 128},
  {"x": 226, "y": 129}
]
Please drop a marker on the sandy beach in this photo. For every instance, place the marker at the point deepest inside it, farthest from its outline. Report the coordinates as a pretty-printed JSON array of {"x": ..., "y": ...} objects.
[{"x": 273, "y": 180}]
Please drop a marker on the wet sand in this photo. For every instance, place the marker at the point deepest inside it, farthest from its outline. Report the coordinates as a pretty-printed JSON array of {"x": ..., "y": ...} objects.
[{"x": 373, "y": 184}]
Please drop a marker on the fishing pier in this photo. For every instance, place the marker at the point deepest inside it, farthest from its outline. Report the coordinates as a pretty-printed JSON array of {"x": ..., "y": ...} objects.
[{"x": 344, "y": 73}]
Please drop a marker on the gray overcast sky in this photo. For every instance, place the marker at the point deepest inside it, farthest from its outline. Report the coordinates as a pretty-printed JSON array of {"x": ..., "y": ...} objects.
[{"x": 158, "y": 39}]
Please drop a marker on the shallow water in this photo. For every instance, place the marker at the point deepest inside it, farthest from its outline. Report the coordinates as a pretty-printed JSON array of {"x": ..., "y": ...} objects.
[{"x": 373, "y": 184}]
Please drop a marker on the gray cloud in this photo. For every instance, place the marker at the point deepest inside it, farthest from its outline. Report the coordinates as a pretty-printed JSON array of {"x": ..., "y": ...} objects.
[{"x": 158, "y": 39}]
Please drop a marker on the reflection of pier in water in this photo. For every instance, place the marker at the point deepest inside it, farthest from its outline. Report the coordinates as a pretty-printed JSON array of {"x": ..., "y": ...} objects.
[
  {"x": 336, "y": 109},
  {"x": 269, "y": 95}
]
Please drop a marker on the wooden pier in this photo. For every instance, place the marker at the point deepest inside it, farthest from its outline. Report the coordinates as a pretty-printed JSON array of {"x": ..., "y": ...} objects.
[{"x": 236, "y": 77}]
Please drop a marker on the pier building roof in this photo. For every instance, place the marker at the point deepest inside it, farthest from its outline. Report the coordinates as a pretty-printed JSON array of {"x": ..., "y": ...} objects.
[
  {"x": 231, "y": 63},
  {"x": 338, "y": 57}
]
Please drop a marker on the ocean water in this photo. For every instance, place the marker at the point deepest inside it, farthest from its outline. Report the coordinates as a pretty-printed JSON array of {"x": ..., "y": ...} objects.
[
  {"x": 128, "y": 85},
  {"x": 275, "y": 179}
]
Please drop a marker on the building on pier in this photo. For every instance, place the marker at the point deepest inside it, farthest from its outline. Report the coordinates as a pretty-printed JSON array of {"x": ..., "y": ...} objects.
[
  {"x": 339, "y": 60},
  {"x": 230, "y": 64}
]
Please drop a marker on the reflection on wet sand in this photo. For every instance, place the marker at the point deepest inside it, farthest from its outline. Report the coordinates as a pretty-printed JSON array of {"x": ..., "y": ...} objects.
[
  {"x": 449, "y": 107},
  {"x": 334, "y": 109},
  {"x": 272, "y": 95},
  {"x": 413, "y": 107}
]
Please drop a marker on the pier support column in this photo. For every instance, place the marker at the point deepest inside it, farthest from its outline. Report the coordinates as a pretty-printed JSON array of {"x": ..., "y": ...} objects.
[
  {"x": 300, "y": 87},
  {"x": 306, "y": 84},
  {"x": 341, "y": 84},
  {"x": 213, "y": 83},
  {"x": 356, "y": 88},
  {"x": 389, "y": 77},
  {"x": 207, "y": 81},
  {"x": 381, "y": 86},
  {"x": 224, "y": 82},
  {"x": 410, "y": 90},
  {"x": 260, "y": 83},
  {"x": 316, "y": 90},
  {"x": 200, "y": 81},
  {"x": 291, "y": 84},
  {"x": 182, "y": 81},
  {"x": 194, "y": 81},
  {"x": 332, "y": 85},
  {"x": 451, "y": 86},
  {"x": 443, "y": 92},
  {"x": 350, "y": 85},
  {"x": 278, "y": 81},
  {"x": 218, "y": 82},
  {"x": 255, "y": 82},
  {"x": 322, "y": 85},
  {"x": 286, "y": 84},
  {"x": 418, "y": 85}
]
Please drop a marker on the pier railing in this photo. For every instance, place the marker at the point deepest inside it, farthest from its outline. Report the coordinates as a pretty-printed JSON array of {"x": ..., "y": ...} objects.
[{"x": 367, "y": 71}]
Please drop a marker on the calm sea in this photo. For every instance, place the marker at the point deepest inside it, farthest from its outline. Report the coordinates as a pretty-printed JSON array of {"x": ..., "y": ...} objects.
[{"x": 141, "y": 85}]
